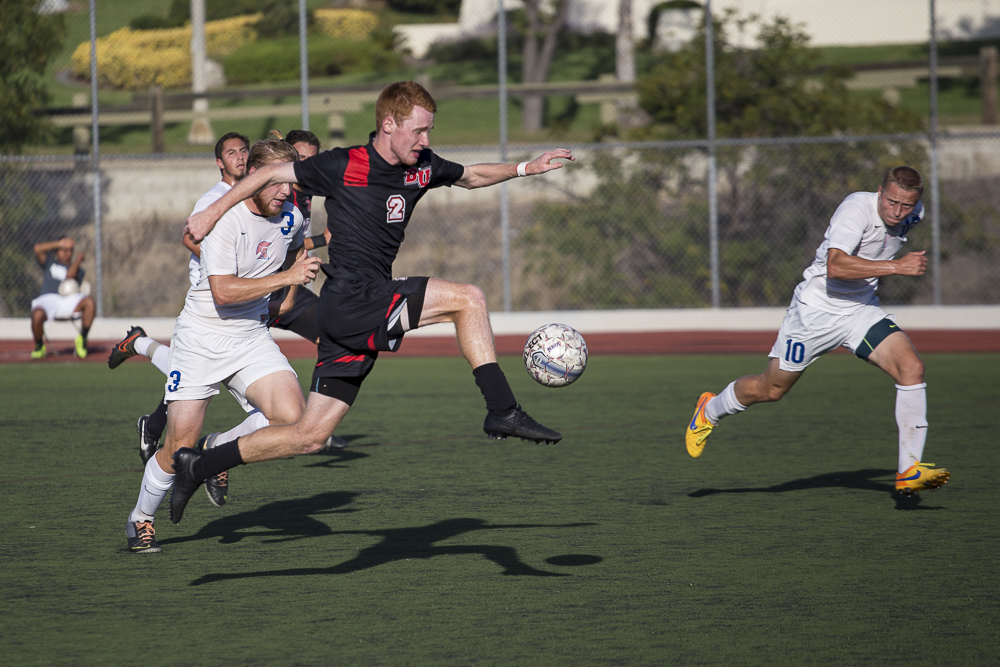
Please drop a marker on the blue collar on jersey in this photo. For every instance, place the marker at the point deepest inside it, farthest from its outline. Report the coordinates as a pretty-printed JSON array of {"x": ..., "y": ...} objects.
[{"x": 908, "y": 222}]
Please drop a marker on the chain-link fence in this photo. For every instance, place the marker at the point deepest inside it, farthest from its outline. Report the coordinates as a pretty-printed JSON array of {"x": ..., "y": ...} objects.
[{"x": 635, "y": 222}]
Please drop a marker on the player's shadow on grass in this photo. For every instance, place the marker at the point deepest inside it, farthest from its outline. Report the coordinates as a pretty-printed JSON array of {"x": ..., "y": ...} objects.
[
  {"x": 280, "y": 521},
  {"x": 864, "y": 480},
  {"x": 333, "y": 458},
  {"x": 417, "y": 542}
]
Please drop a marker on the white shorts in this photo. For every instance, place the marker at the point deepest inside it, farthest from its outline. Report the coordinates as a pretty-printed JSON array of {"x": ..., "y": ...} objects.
[
  {"x": 57, "y": 306},
  {"x": 808, "y": 333},
  {"x": 200, "y": 361}
]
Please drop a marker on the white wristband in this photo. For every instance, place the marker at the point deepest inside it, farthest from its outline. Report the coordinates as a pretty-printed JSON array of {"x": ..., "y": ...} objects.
[{"x": 522, "y": 169}]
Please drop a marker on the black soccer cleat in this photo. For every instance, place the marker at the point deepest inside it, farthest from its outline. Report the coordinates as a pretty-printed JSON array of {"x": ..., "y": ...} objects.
[
  {"x": 216, "y": 487},
  {"x": 185, "y": 483},
  {"x": 334, "y": 443},
  {"x": 147, "y": 443},
  {"x": 518, "y": 423},
  {"x": 125, "y": 349},
  {"x": 141, "y": 537}
]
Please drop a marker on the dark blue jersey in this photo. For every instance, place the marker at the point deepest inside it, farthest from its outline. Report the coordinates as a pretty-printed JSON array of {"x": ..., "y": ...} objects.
[{"x": 369, "y": 203}]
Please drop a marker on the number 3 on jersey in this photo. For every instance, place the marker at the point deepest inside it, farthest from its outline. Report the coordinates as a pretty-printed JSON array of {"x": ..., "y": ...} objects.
[{"x": 396, "y": 207}]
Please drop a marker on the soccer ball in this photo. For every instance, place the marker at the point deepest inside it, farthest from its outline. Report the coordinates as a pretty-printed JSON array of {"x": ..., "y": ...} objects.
[
  {"x": 69, "y": 287},
  {"x": 555, "y": 355}
]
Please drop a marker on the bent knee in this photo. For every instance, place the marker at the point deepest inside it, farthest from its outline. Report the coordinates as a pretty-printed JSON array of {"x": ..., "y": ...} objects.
[
  {"x": 473, "y": 297},
  {"x": 912, "y": 373},
  {"x": 772, "y": 394},
  {"x": 310, "y": 448}
]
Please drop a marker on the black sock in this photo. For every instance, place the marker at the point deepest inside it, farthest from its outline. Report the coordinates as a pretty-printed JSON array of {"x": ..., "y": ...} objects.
[
  {"x": 218, "y": 458},
  {"x": 84, "y": 331},
  {"x": 493, "y": 384},
  {"x": 157, "y": 421}
]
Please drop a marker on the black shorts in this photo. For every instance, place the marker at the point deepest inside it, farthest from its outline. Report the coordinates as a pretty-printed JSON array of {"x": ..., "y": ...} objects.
[
  {"x": 301, "y": 319},
  {"x": 358, "y": 319}
]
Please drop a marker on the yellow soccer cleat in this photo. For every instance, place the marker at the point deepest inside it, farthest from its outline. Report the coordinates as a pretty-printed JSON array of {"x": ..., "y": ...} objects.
[
  {"x": 39, "y": 353},
  {"x": 81, "y": 347},
  {"x": 920, "y": 476},
  {"x": 700, "y": 428}
]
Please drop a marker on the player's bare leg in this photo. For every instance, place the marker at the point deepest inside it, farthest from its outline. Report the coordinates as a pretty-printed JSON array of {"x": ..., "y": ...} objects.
[
  {"x": 183, "y": 427},
  {"x": 38, "y": 318},
  {"x": 307, "y": 435},
  {"x": 765, "y": 387},
  {"x": 897, "y": 356},
  {"x": 184, "y": 422},
  {"x": 278, "y": 399},
  {"x": 465, "y": 306},
  {"x": 320, "y": 419}
]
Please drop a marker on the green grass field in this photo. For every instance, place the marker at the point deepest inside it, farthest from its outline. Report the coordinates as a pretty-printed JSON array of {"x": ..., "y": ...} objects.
[{"x": 425, "y": 543}]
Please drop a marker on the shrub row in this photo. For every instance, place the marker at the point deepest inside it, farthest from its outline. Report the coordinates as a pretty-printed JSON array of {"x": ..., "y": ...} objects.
[
  {"x": 355, "y": 24},
  {"x": 137, "y": 59},
  {"x": 278, "y": 59}
]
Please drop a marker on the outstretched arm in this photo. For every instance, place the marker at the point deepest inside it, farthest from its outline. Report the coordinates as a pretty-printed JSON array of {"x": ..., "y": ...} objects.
[
  {"x": 200, "y": 224},
  {"x": 481, "y": 175}
]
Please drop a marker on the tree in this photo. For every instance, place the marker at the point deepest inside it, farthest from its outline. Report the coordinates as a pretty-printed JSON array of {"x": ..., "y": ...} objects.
[
  {"x": 541, "y": 34},
  {"x": 27, "y": 41},
  {"x": 640, "y": 237}
]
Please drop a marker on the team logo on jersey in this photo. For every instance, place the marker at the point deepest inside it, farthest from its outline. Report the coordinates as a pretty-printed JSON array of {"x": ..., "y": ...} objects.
[
  {"x": 262, "y": 249},
  {"x": 417, "y": 176}
]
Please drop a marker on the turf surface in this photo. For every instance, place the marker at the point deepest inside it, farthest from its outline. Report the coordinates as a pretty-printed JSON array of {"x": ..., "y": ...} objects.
[{"x": 425, "y": 543}]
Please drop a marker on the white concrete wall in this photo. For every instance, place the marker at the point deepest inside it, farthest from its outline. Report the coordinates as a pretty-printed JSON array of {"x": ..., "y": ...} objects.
[
  {"x": 845, "y": 22},
  {"x": 914, "y": 318}
]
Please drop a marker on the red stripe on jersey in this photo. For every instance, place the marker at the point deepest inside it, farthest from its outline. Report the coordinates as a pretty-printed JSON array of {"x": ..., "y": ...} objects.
[
  {"x": 371, "y": 342},
  {"x": 349, "y": 359},
  {"x": 395, "y": 298},
  {"x": 356, "y": 174}
]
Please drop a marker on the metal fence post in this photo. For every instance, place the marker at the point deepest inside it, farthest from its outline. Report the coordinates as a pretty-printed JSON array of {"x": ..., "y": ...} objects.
[
  {"x": 935, "y": 180},
  {"x": 504, "y": 194},
  {"x": 95, "y": 129},
  {"x": 304, "y": 64},
  {"x": 713, "y": 195}
]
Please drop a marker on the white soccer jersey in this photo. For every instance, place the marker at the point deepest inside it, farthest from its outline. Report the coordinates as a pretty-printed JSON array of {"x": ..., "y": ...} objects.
[
  {"x": 246, "y": 245},
  {"x": 206, "y": 200},
  {"x": 857, "y": 229}
]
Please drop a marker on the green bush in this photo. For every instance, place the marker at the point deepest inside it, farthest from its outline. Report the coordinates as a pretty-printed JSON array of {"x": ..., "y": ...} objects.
[
  {"x": 278, "y": 59},
  {"x": 464, "y": 50},
  {"x": 180, "y": 13},
  {"x": 281, "y": 19}
]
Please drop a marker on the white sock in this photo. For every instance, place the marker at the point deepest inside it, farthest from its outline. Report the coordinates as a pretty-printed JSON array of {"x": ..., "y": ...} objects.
[
  {"x": 161, "y": 358},
  {"x": 723, "y": 405},
  {"x": 142, "y": 345},
  {"x": 911, "y": 418},
  {"x": 155, "y": 484},
  {"x": 254, "y": 421},
  {"x": 157, "y": 352}
]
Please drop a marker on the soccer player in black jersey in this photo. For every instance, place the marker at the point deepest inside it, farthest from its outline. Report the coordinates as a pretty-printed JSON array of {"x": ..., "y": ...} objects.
[
  {"x": 301, "y": 317},
  {"x": 370, "y": 194}
]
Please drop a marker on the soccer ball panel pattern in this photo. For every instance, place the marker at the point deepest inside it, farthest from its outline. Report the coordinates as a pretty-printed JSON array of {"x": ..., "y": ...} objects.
[{"x": 555, "y": 355}]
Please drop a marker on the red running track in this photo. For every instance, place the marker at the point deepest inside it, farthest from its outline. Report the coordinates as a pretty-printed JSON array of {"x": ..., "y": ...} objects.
[{"x": 663, "y": 342}]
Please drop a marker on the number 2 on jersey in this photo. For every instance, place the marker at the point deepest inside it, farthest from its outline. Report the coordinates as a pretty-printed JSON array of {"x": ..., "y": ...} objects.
[{"x": 396, "y": 207}]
